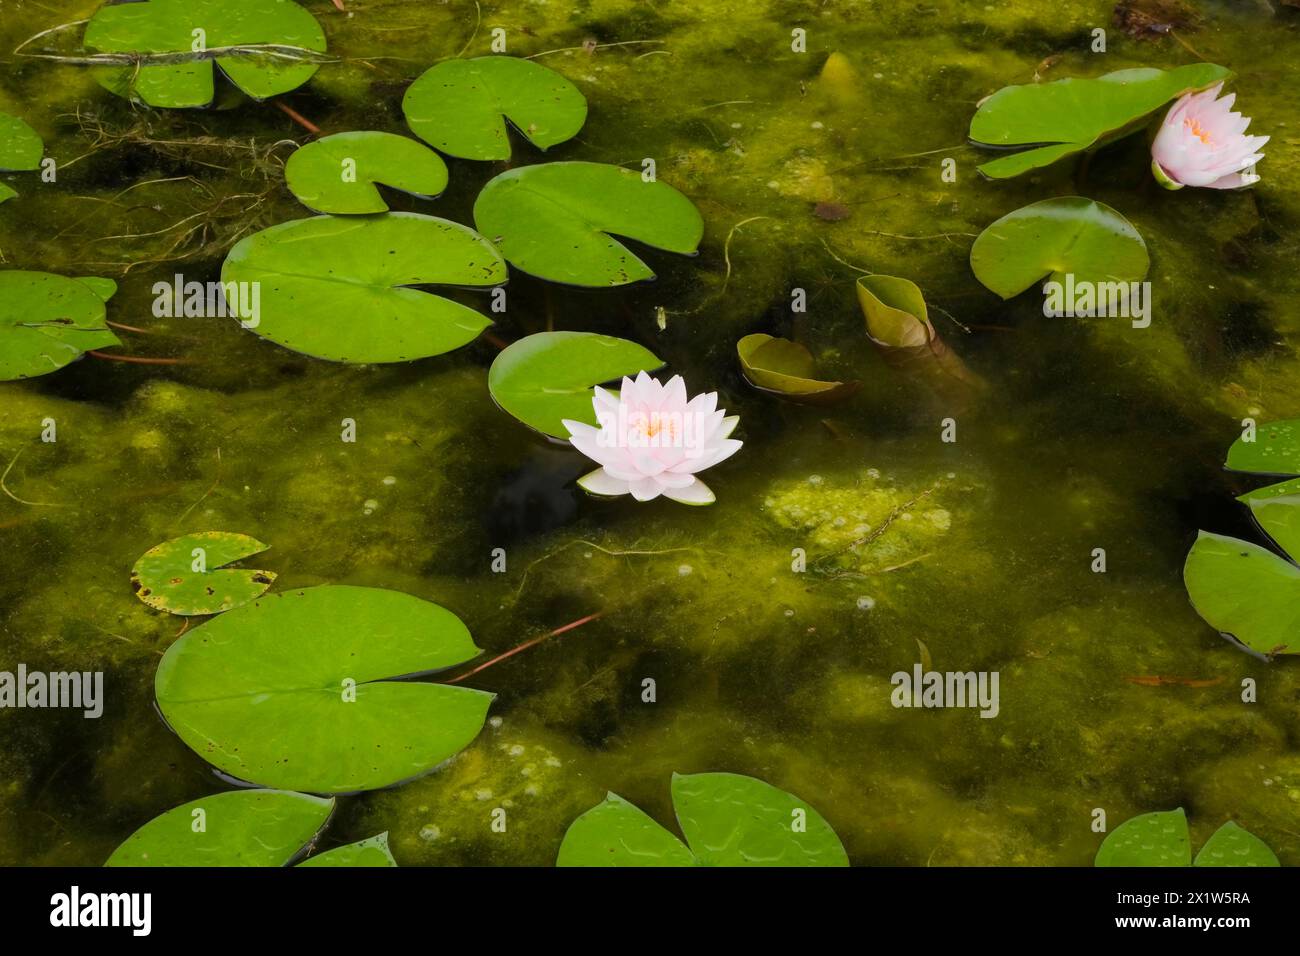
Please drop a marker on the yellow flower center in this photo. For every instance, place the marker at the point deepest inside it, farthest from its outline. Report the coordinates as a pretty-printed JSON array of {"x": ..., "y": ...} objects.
[{"x": 1197, "y": 130}]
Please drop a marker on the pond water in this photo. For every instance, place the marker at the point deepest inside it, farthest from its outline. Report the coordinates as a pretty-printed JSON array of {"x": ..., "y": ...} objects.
[{"x": 1086, "y": 434}]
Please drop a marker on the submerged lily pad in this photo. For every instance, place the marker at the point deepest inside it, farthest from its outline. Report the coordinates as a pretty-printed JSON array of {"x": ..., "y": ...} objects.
[
  {"x": 47, "y": 321},
  {"x": 21, "y": 150},
  {"x": 1050, "y": 121},
  {"x": 265, "y": 47},
  {"x": 1162, "y": 839},
  {"x": 301, "y": 690},
  {"x": 545, "y": 378},
  {"x": 727, "y": 819},
  {"x": 188, "y": 575},
  {"x": 1051, "y": 238},
  {"x": 236, "y": 828},
  {"x": 555, "y": 221},
  {"x": 335, "y": 287},
  {"x": 461, "y": 106},
  {"x": 370, "y": 852},
  {"x": 338, "y": 174},
  {"x": 787, "y": 369}
]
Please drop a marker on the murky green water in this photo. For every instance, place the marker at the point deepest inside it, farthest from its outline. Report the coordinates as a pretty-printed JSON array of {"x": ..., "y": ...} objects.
[{"x": 1089, "y": 434}]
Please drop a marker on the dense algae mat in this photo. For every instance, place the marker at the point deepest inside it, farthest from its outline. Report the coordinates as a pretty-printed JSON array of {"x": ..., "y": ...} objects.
[{"x": 974, "y": 555}]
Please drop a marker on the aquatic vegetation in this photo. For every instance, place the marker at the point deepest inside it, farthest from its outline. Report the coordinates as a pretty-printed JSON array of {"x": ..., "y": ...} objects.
[
  {"x": 548, "y": 377},
  {"x": 460, "y": 107},
  {"x": 1056, "y": 238},
  {"x": 335, "y": 287},
  {"x": 21, "y": 150},
  {"x": 372, "y": 851},
  {"x": 1162, "y": 839},
  {"x": 727, "y": 819},
  {"x": 190, "y": 575},
  {"x": 1203, "y": 143},
  {"x": 340, "y": 174},
  {"x": 554, "y": 221},
  {"x": 301, "y": 690},
  {"x": 47, "y": 321},
  {"x": 1047, "y": 122},
  {"x": 787, "y": 369},
  {"x": 652, "y": 439}
]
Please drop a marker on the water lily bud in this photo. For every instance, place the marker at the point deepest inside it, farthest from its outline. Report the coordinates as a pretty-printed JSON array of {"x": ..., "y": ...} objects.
[{"x": 1203, "y": 143}]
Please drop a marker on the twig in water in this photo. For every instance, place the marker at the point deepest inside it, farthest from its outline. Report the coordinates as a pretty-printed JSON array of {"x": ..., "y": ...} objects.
[
  {"x": 527, "y": 644},
  {"x": 297, "y": 117},
  {"x": 141, "y": 360},
  {"x": 24, "y": 501}
]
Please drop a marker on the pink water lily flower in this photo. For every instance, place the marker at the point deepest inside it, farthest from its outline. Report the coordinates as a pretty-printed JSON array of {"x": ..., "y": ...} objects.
[
  {"x": 1203, "y": 143},
  {"x": 651, "y": 441}
]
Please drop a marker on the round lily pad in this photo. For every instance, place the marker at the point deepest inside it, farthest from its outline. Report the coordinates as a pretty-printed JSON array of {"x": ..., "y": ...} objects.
[
  {"x": 338, "y": 174},
  {"x": 236, "y": 828},
  {"x": 189, "y": 575},
  {"x": 370, "y": 852},
  {"x": 301, "y": 691},
  {"x": 21, "y": 149},
  {"x": 1245, "y": 592},
  {"x": 1056, "y": 237},
  {"x": 787, "y": 369},
  {"x": 728, "y": 820},
  {"x": 1273, "y": 450},
  {"x": 555, "y": 221},
  {"x": 1150, "y": 839},
  {"x": 47, "y": 321},
  {"x": 265, "y": 47},
  {"x": 1230, "y": 845},
  {"x": 461, "y": 106},
  {"x": 545, "y": 378},
  {"x": 337, "y": 287}
]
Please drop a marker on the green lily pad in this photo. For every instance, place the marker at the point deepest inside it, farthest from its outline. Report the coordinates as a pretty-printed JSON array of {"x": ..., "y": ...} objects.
[
  {"x": 165, "y": 577},
  {"x": 47, "y": 321},
  {"x": 786, "y": 369},
  {"x": 1054, "y": 237},
  {"x": 545, "y": 378},
  {"x": 461, "y": 106},
  {"x": 554, "y": 221},
  {"x": 300, "y": 690},
  {"x": 338, "y": 174},
  {"x": 1049, "y": 121},
  {"x": 1245, "y": 592},
  {"x": 1274, "y": 451},
  {"x": 236, "y": 828},
  {"x": 728, "y": 820},
  {"x": 265, "y": 47},
  {"x": 21, "y": 150},
  {"x": 370, "y": 852},
  {"x": 1162, "y": 839},
  {"x": 336, "y": 287},
  {"x": 895, "y": 312}
]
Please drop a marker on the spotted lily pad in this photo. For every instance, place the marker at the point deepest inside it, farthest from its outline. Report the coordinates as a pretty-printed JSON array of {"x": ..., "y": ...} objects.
[
  {"x": 47, "y": 321},
  {"x": 1051, "y": 238},
  {"x": 556, "y": 221},
  {"x": 167, "y": 48},
  {"x": 337, "y": 288},
  {"x": 461, "y": 106},
  {"x": 1046, "y": 122},
  {"x": 236, "y": 828},
  {"x": 727, "y": 819},
  {"x": 21, "y": 150},
  {"x": 339, "y": 174},
  {"x": 371, "y": 852},
  {"x": 304, "y": 690},
  {"x": 1162, "y": 839},
  {"x": 786, "y": 368},
  {"x": 545, "y": 378},
  {"x": 189, "y": 575}
]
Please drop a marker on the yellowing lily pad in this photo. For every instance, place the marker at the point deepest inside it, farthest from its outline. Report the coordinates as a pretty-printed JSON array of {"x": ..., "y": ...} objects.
[
  {"x": 189, "y": 575},
  {"x": 787, "y": 369},
  {"x": 895, "y": 312}
]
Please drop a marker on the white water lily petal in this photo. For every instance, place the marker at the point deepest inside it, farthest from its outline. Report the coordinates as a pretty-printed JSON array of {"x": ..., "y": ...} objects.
[
  {"x": 601, "y": 482},
  {"x": 696, "y": 493}
]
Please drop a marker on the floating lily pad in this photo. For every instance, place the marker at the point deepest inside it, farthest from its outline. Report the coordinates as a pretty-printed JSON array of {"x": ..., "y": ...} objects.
[
  {"x": 1049, "y": 121},
  {"x": 461, "y": 106},
  {"x": 895, "y": 312},
  {"x": 1275, "y": 450},
  {"x": 166, "y": 578},
  {"x": 728, "y": 820},
  {"x": 300, "y": 690},
  {"x": 1162, "y": 839},
  {"x": 265, "y": 47},
  {"x": 371, "y": 852},
  {"x": 545, "y": 378},
  {"x": 47, "y": 321},
  {"x": 555, "y": 221},
  {"x": 787, "y": 369},
  {"x": 1054, "y": 237},
  {"x": 236, "y": 828},
  {"x": 21, "y": 150},
  {"x": 336, "y": 287},
  {"x": 338, "y": 174}
]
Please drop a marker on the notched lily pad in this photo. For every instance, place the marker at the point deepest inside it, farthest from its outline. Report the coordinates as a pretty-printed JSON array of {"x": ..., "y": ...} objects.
[
  {"x": 1163, "y": 839},
  {"x": 461, "y": 106},
  {"x": 190, "y": 575},
  {"x": 787, "y": 369},
  {"x": 47, "y": 321},
  {"x": 370, "y": 852},
  {"x": 21, "y": 150},
  {"x": 339, "y": 174}
]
